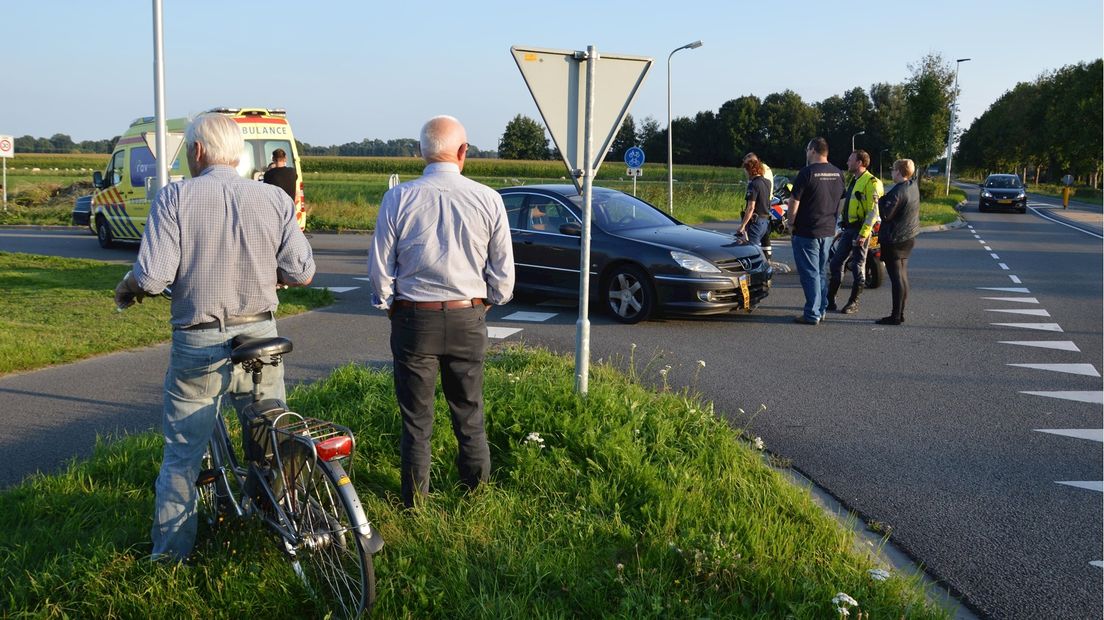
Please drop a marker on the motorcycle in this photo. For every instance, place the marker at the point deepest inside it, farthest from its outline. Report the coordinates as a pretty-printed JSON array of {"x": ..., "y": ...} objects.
[
  {"x": 780, "y": 205},
  {"x": 874, "y": 270}
]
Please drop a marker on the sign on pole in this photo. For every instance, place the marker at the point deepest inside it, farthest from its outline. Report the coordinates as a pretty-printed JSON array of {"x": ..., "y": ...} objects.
[
  {"x": 567, "y": 97},
  {"x": 7, "y": 150},
  {"x": 557, "y": 81},
  {"x": 173, "y": 141},
  {"x": 634, "y": 157}
]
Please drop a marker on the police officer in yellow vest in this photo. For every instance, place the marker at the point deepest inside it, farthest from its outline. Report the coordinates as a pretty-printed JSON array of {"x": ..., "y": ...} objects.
[{"x": 857, "y": 218}]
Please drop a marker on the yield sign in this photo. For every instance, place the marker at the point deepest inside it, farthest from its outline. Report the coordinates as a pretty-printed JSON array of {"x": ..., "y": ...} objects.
[
  {"x": 557, "y": 81},
  {"x": 172, "y": 144}
]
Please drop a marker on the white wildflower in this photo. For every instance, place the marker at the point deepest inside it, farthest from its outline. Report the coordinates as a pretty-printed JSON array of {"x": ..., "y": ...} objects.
[
  {"x": 632, "y": 346},
  {"x": 620, "y": 567},
  {"x": 663, "y": 372},
  {"x": 534, "y": 438},
  {"x": 843, "y": 612},
  {"x": 758, "y": 443},
  {"x": 701, "y": 363},
  {"x": 843, "y": 600},
  {"x": 878, "y": 574}
]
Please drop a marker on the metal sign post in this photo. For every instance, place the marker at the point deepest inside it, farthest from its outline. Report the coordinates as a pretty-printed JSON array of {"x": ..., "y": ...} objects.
[
  {"x": 7, "y": 149},
  {"x": 159, "y": 98},
  {"x": 561, "y": 93}
]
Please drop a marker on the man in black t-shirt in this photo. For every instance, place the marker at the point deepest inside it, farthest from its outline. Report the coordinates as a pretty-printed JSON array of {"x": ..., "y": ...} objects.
[
  {"x": 280, "y": 175},
  {"x": 812, "y": 217}
]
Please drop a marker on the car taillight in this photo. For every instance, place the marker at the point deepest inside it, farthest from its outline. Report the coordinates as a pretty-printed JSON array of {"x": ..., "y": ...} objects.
[{"x": 334, "y": 448}]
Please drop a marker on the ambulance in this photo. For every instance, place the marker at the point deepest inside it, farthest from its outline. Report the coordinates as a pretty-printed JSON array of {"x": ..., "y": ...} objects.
[{"x": 124, "y": 191}]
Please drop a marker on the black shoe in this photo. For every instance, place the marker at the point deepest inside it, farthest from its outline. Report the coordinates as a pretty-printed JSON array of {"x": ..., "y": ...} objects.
[
  {"x": 889, "y": 320},
  {"x": 832, "y": 306},
  {"x": 804, "y": 321}
]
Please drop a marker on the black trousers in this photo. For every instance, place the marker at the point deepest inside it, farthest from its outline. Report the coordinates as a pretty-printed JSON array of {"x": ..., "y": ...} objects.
[
  {"x": 895, "y": 256},
  {"x": 452, "y": 342}
]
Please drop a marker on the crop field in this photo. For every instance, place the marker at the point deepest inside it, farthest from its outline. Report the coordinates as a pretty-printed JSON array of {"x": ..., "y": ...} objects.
[{"x": 343, "y": 193}]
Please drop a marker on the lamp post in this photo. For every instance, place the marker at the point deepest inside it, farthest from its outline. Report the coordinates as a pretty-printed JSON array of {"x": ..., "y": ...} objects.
[
  {"x": 859, "y": 133},
  {"x": 670, "y": 157},
  {"x": 951, "y": 128},
  {"x": 880, "y": 162}
]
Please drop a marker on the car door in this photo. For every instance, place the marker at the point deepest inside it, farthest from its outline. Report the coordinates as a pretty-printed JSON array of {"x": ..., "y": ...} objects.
[{"x": 545, "y": 258}]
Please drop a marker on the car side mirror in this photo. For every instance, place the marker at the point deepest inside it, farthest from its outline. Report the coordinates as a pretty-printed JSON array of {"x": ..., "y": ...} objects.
[
  {"x": 97, "y": 179},
  {"x": 571, "y": 228}
]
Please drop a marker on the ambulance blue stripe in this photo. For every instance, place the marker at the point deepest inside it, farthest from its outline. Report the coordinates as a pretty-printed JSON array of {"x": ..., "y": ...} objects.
[
  {"x": 130, "y": 222},
  {"x": 119, "y": 223}
]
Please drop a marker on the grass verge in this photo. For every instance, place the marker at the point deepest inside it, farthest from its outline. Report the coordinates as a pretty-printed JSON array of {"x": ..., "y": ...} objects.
[
  {"x": 56, "y": 310},
  {"x": 633, "y": 504}
]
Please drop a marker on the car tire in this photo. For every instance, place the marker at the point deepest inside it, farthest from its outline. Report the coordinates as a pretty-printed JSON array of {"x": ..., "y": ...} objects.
[
  {"x": 981, "y": 208},
  {"x": 103, "y": 233},
  {"x": 628, "y": 294}
]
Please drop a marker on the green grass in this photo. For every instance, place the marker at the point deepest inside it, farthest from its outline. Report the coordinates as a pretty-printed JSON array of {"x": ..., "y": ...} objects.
[
  {"x": 939, "y": 209},
  {"x": 639, "y": 505},
  {"x": 57, "y": 310}
]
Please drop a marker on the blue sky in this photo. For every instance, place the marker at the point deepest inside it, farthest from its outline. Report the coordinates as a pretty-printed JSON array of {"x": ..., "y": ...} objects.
[{"x": 352, "y": 70}]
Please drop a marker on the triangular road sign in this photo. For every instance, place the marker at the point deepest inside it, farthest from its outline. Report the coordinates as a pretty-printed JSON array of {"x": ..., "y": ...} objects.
[
  {"x": 173, "y": 140},
  {"x": 557, "y": 81}
]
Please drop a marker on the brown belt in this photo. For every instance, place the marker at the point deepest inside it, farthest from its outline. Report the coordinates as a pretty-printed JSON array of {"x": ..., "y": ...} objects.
[
  {"x": 232, "y": 321},
  {"x": 440, "y": 305}
]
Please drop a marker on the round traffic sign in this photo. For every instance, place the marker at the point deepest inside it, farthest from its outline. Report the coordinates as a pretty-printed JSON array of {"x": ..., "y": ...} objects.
[
  {"x": 5, "y": 146},
  {"x": 634, "y": 157}
]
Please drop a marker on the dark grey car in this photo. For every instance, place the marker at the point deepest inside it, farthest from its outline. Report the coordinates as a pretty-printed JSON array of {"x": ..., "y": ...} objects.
[{"x": 1003, "y": 191}]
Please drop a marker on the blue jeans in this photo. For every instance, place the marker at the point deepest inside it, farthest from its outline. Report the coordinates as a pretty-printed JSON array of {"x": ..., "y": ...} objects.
[
  {"x": 758, "y": 229},
  {"x": 811, "y": 260},
  {"x": 199, "y": 374}
]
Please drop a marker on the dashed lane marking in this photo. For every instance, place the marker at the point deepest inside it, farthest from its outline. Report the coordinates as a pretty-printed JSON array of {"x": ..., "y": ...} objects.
[
  {"x": 1045, "y": 327},
  {"x": 1005, "y": 289},
  {"x": 995, "y": 257},
  {"x": 1002, "y": 266},
  {"x": 499, "y": 333},
  {"x": 1085, "y": 370},
  {"x": 529, "y": 316},
  {"x": 988, "y": 249},
  {"x": 1091, "y": 434},
  {"x": 1015, "y": 279},
  {"x": 1024, "y": 311},
  {"x": 1097, "y": 563},
  {"x": 981, "y": 241},
  {"x": 1090, "y": 485},
  {"x": 1022, "y": 300},
  {"x": 1058, "y": 345},
  {"x": 1096, "y": 398}
]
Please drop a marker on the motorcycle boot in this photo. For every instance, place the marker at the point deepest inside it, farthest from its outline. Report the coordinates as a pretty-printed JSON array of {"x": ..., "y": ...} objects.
[
  {"x": 852, "y": 305},
  {"x": 833, "y": 288}
]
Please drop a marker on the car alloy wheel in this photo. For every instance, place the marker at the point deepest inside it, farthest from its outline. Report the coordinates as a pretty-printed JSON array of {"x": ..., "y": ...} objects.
[{"x": 629, "y": 295}]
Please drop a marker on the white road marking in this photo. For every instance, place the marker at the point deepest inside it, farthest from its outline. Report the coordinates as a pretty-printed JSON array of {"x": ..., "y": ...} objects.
[
  {"x": 1085, "y": 370},
  {"x": 1022, "y": 300},
  {"x": 981, "y": 241},
  {"x": 1027, "y": 311},
  {"x": 1096, "y": 398},
  {"x": 1007, "y": 289},
  {"x": 529, "y": 316},
  {"x": 501, "y": 332},
  {"x": 1091, "y": 434},
  {"x": 1059, "y": 345},
  {"x": 1097, "y": 563},
  {"x": 1091, "y": 234},
  {"x": 1002, "y": 266},
  {"x": 995, "y": 257},
  {"x": 1045, "y": 327},
  {"x": 1015, "y": 279},
  {"x": 337, "y": 289},
  {"x": 363, "y": 279},
  {"x": 1090, "y": 485},
  {"x": 988, "y": 249}
]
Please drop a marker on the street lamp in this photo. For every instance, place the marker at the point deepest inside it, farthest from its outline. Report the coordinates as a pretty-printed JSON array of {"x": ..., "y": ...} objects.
[
  {"x": 880, "y": 162},
  {"x": 670, "y": 157},
  {"x": 853, "y": 139},
  {"x": 951, "y": 128}
]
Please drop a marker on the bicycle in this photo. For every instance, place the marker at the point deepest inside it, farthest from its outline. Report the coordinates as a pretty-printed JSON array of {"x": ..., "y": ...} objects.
[{"x": 293, "y": 479}]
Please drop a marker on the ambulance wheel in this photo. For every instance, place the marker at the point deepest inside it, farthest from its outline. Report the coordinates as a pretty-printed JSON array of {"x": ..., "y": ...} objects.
[{"x": 103, "y": 233}]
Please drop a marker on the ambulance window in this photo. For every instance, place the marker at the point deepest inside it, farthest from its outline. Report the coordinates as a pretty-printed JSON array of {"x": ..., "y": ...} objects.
[
  {"x": 115, "y": 169},
  {"x": 246, "y": 165},
  {"x": 272, "y": 145},
  {"x": 142, "y": 166}
]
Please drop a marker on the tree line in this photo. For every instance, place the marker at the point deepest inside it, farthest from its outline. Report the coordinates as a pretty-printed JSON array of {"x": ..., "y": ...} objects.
[
  {"x": 1043, "y": 129},
  {"x": 62, "y": 143}
]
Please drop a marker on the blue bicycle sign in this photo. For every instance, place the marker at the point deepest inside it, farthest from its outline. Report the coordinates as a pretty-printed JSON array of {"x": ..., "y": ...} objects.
[{"x": 634, "y": 157}]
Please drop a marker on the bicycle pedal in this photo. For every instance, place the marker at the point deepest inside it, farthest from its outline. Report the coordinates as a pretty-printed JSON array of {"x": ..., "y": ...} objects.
[{"x": 207, "y": 476}]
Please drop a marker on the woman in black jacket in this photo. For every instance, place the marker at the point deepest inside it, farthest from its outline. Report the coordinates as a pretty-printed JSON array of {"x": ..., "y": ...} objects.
[{"x": 900, "y": 212}]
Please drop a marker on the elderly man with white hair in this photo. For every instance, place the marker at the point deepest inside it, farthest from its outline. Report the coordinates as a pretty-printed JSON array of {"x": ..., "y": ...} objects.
[
  {"x": 440, "y": 257},
  {"x": 223, "y": 243}
]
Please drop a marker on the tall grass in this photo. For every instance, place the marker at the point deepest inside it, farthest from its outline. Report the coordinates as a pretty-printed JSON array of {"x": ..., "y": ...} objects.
[{"x": 633, "y": 505}]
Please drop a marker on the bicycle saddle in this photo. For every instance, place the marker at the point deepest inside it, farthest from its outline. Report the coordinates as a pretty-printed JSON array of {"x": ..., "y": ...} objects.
[{"x": 249, "y": 348}]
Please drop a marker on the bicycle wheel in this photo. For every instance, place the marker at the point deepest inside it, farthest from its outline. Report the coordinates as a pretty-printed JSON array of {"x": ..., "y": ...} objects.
[
  {"x": 330, "y": 556},
  {"x": 213, "y": 496}
]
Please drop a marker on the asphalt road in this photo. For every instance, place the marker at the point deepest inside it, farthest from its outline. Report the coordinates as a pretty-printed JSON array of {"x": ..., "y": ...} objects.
[{"x": 924, "y": 428}]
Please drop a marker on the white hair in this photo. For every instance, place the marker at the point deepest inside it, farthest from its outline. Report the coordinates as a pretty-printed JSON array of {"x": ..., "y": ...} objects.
[
  {"x": 220, "y": 136},
  {"x": 439, "y": 137}
]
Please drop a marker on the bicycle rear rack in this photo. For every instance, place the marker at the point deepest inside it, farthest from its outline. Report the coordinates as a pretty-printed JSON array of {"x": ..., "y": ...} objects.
[{"x": 327, "y": 440}]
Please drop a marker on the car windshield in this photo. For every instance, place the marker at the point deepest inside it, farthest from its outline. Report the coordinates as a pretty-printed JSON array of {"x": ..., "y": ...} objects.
[
  {"x": 616, "y": 211},
  {"x": 1008, "y": 182}
]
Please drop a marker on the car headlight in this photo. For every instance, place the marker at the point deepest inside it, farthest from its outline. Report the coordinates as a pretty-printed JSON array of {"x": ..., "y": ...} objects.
[
  {"x": 690, "y": 262},
  {"x": 1021, "y": 195},
  {"x": 986, "y": 194}
]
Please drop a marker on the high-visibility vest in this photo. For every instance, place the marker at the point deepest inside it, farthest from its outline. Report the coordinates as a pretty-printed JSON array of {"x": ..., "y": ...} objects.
[{"x": 861, "y": 204}]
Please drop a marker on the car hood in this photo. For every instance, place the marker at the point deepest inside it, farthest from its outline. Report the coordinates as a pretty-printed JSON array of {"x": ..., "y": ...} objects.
[{"x": 705, "y": 243}]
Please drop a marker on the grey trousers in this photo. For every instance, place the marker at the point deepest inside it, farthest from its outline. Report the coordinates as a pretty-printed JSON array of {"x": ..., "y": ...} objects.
[{"x": 452, "y": 342}]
